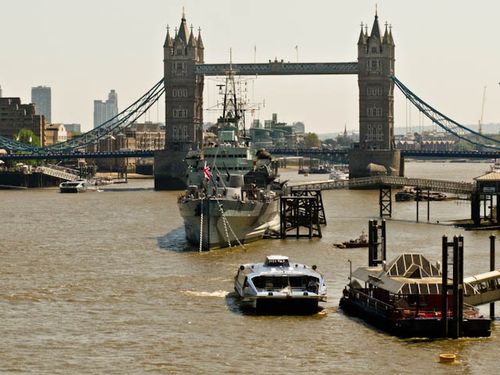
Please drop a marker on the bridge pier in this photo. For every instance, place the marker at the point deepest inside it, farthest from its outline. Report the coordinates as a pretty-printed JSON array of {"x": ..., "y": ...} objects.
[
  {"x": 366, "y": 163},
  {"x": 170, "y": 170},
  {"x": 385, "y": 201}
]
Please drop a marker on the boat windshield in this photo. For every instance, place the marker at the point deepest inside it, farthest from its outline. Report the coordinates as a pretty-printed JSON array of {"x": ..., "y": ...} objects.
[{"x": 280, "y": 282}]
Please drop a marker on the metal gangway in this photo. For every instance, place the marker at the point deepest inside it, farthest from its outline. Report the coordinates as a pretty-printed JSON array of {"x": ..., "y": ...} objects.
[
  {"x": 445, "y": 186},
  {"x": 485, "y": 286},
  {"x": 58, "y": 172}
]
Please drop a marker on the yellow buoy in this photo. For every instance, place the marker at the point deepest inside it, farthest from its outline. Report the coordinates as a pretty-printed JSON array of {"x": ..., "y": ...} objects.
[{"x": 447, "y": 358}]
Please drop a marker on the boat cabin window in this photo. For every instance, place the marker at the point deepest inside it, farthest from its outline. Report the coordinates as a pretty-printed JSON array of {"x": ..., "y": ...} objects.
[
  {"x": 280, "y": 282},
  {"x": 277, "y": 262}
]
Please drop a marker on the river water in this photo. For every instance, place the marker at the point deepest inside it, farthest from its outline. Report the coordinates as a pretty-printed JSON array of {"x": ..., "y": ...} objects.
[{"x": 104, "y": 283}]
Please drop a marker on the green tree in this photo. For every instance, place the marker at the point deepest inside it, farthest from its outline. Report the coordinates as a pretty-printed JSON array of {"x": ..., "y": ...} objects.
[
  {"x": 27, "y": 136},
  {"x": 311, "y": 140}
]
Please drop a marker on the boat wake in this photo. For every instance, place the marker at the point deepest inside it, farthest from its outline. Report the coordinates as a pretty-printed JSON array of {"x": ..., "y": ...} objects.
[{"x": 217, "y": 293}]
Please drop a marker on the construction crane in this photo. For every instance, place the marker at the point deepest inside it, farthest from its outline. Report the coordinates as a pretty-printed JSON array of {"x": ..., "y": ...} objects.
[{"x": 482, "y": 111}]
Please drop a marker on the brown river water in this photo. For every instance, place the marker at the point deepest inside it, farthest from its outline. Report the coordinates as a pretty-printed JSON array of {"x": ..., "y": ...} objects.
[{"x": 104, "y": 283}]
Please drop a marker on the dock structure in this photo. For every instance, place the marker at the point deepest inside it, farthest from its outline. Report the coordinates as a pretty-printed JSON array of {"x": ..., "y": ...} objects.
[
  {"x": 302, "y": 214},
  {"x": 385, "y": 184}
]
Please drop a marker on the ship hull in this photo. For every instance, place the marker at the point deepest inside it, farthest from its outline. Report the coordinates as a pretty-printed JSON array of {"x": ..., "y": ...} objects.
[
  {"x": 238, "y": 222},
  {"x": 428, "y": 327}
]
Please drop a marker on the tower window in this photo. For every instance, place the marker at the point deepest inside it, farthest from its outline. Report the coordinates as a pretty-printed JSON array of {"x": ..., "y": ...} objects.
[
  {"x": 374, "y": 65},
  {"x": 180, "y": 113}
]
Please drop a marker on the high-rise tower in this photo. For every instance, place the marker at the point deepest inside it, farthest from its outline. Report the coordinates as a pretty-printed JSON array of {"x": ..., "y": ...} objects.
[
  {"x": 376, "y": 60},
  {"x": 103, "y": 111},
  {"x": 183, "y": 89},
  {"x": 41, "y": 96}
]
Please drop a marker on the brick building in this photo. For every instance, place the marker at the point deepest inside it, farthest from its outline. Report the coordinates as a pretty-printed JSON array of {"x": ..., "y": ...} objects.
[{"x": 15, "y": 116}]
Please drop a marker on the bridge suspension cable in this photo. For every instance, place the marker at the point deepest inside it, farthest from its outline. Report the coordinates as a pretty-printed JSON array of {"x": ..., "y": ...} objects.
[
  {"x": 112, "y": 126},
  {"x": 443, "y": 121}
]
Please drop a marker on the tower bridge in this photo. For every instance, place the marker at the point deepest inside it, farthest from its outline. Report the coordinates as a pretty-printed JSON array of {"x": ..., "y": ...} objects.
[
  {"x": 185, "y": 69},
  {"x": 183, "y": 84}
]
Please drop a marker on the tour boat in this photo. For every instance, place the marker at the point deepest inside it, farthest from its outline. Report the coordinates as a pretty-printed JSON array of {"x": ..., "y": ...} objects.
[
  {"x": 280, "y": 285},
  {"x": 76, "y": 186}
]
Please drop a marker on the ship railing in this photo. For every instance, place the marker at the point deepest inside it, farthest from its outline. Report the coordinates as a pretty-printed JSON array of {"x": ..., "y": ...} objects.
[{"x": 372, "y": 302}]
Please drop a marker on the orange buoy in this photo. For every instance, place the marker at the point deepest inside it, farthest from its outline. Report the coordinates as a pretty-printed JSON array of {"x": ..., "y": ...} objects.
[{"x": 447, "y": 358}]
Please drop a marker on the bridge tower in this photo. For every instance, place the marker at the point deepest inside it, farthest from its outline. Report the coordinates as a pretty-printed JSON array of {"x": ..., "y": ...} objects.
[
  {"x": 183, "y": 105},
  {"x": 376, "y": 64}
]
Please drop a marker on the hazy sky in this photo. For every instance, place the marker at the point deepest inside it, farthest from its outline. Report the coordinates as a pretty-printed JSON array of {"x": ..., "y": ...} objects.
[{"x": 447, "y": 51}]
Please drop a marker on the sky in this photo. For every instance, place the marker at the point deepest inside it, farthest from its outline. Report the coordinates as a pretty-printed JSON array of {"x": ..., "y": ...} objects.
[{"x": 447, "y": 51}]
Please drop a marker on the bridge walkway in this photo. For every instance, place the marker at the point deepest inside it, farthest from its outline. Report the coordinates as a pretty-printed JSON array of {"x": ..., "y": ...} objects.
[
  {"x": 486, "y": 288},
  {"x": 445, "y": 186}
]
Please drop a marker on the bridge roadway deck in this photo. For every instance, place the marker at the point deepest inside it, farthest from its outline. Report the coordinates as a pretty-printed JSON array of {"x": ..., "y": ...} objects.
[
  {"x": 278, "y": 68},
  {"x": 453, "y": 187}
]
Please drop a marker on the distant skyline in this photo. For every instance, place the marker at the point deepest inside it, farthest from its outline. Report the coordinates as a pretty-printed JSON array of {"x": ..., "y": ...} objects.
[{"x": 446, "y": 52}]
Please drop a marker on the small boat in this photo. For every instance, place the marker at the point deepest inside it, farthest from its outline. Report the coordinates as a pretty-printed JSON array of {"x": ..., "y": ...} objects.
[
  {"x": 338, "y": 175},
  {"x": 361, "y": 241},
  {"x": 320, "y": 169},
  {"x": 76, "y": 186},
  {"x": 410, "y": 194},
  {"x": 278, "y": 285}
]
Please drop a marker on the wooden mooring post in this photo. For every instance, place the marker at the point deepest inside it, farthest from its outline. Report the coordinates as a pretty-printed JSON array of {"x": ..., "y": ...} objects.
[
  {"x": 377, "y": 249},
  {"x": 452, "y": 328},
  {"x": 492, "y": 268},
  {"x": 302, "y": 209}
]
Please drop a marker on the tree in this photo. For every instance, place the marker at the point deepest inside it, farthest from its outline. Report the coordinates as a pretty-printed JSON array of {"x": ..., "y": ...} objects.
[
  {"x": 311, "y": 140},
  {"x": 27, "y": 136}
]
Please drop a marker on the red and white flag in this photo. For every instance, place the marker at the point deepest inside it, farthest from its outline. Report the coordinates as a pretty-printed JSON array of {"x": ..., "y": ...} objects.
[{"x": 206, "y": 172}]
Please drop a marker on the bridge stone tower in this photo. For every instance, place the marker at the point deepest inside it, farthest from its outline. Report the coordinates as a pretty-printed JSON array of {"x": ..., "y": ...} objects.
[
  {"x": 183, "y": 105},
  {"x": 376, "y": 60}
]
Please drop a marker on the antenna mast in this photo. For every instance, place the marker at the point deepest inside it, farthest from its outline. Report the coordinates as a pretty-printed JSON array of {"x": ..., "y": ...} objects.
[{"x": 482, "y": 112}]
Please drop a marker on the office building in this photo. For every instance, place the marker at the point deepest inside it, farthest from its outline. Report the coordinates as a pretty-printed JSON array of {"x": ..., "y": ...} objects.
[
  {"x": 103, "y": 111},
  {"x": 41, "y": 97}
]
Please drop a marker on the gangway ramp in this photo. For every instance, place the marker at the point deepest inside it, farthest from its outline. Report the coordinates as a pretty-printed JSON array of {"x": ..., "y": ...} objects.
[
  {"x": 58, "y": 172},
  {"x": 445, "y": 186},
  {"x": 486, "y": 287}
]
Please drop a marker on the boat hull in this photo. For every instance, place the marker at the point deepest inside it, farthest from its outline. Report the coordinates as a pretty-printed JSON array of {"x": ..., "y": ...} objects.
[
  {"x": 72, "y": 190},
  {"x": 295, "y": 303},
  {"x": 239, "y": 222},
  {"x": 429, "y": 327}
]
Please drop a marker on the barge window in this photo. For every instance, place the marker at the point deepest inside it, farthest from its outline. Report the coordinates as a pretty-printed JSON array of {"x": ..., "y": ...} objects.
[{"x": 434, "y": 289}]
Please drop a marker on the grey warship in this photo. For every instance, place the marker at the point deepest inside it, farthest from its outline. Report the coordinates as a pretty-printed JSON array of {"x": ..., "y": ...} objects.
[{"x": 232, "y": 196}]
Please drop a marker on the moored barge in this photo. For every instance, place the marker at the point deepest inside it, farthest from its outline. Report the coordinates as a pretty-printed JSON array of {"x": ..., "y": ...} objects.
[{"x": 404, "y": 297}]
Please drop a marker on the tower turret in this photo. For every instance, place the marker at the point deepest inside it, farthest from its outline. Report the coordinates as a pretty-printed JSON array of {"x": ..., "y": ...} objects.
[
  {"x": 201, "y": 48},
  {"x": 168, "y": 45}
]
